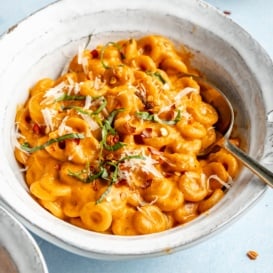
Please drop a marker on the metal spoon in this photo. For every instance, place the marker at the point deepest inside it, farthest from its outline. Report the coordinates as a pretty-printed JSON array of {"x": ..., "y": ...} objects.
[{"x": 220, "y": 102}]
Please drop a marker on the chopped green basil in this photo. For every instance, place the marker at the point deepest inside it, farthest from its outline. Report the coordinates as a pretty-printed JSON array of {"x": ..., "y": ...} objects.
[
  {"x": 103, "y": 50},
  {"x": 27, "y": 148},
  {"x": 105, "y": 193},
  {"x": 86, "y": 111},
  {"x": 114, "y": 176},
  {"x": 70, "y": 97},
  {"x": 157, "y": 75},
  {"x": 107, "y": 129},
  {"x": 154, "y": 117}
]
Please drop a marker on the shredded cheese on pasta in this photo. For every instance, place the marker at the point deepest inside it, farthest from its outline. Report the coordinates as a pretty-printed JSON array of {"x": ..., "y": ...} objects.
[{"x": 113, "y": 144}]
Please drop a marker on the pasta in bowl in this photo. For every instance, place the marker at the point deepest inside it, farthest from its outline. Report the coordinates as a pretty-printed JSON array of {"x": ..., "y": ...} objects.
[
  {"x": 134, "y": 143},
  {"x": 112, "y": 145}
]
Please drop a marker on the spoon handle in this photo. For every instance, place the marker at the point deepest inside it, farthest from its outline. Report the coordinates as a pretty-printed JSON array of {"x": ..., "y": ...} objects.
[{"x": 263, "y": 173}]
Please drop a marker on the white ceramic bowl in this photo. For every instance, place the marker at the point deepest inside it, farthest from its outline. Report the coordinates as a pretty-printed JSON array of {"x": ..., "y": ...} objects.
[
  {"x": 40, "y": 45},
  {"x": 19, "y": 245}
]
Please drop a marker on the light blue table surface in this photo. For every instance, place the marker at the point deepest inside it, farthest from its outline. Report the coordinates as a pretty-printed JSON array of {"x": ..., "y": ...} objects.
[{"x": 226, "y": 251}]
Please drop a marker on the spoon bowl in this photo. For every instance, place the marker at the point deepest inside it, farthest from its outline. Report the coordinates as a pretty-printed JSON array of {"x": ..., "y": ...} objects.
[{"x": 224, "y": 126}]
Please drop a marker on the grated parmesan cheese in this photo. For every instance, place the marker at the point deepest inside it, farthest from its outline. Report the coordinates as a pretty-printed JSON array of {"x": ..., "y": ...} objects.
[
  {"x": 98, "y": 83},
  {"x": 176, "y": 103},
  {"x": 91, "y": 122},
  {"x": 54, "y": 93},
  {"x": 145, "y": 163},
  {"x": 186, "y": 115},
  {"x": 77, "y": 87},
  {"x": 88, "y": 102},
  {"x": 63, "y": 128},
  {"x": 16, "y": 135},
  {"x": 225, "y": 184},
  {"x": 143, "y": 203},
  {"x": 16, "y": 132},
  {"x": 70, "y": 85},
  {"x": 82, "y": 60},
  {"x": 163, "y": 131},
  {"x": 148, "y": 215},
  {"x": 17, "y": 145},
  {"x": 166, "y": 86},
  {"x": 48, "y": 115},
  {"x": 184, "y": 92}
]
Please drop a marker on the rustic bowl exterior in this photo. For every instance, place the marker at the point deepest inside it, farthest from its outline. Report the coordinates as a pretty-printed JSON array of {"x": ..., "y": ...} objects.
[{"x": 20, "y": 245}]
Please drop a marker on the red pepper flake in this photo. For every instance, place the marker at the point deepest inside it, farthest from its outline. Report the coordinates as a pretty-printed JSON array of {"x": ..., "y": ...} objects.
[
  {"x": 138, "y": 139},
  {"x": 129, "y": 128},
  {"x": 147, "y": 183},
  {"x": 122, "y": 182},
  {"x": 122, "y": 56},
  {"x": 95, "y": 53},
  {"x": 95, "y": 185},
  {"x": 112, "y": 139},
  {"x": 36, "y": 129},
  {"x": 77, "y": 141},
  {"x": 149, "y": 105},
  {"x": 61, "y": 145},
  {"x": 168, "y": 174},
  {"x": 227, "y": 12},
  {"x": 162, "y": 149},
  {"x": 57, "y": 167},
  {"x": 147, "y": 133}
]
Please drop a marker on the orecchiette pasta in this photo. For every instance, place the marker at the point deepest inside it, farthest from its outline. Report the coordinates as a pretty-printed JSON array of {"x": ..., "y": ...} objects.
[
  {"x": 150, "y": 219},
  {"x": 97, "y": 217},
  {"x": 113, "y": 144}
]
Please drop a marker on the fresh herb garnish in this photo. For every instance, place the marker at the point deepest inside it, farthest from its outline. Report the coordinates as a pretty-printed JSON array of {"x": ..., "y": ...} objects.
[
  {"x": 107, "y": 130},
  {"x": 154, "y": 118},
  {"x": 157, "y": 75},
  {"x": 145, "y": 116},
  {"x": 28, "y": 149},
  {"x": 86, "y": 111},
  {"x": 106, "y": 125},
  {"x": 70, "y": 97},
  {"x": 114, "y": 175},
  {"x": 78, "y": 109},
  {"x": 104, "y": 194},
  {"x": 93, "y": 114},
  {"x": 101, "y": 107},
  {"x": 117, "y": 46},
  {"x": 86, "y": 175}
]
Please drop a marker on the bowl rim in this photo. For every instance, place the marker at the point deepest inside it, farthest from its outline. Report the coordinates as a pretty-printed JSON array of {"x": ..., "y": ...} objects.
[{"x": 125, "y": 251}]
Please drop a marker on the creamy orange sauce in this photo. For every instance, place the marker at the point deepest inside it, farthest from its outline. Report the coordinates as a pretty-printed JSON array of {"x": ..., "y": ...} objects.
[{"x": 112, "y": 145}]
